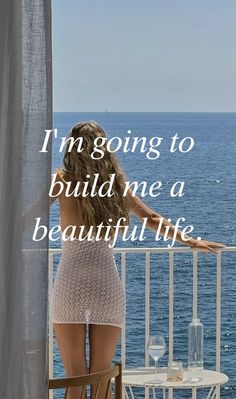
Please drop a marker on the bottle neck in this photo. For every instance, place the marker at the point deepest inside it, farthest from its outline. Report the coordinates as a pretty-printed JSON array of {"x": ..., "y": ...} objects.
[{"x": 195, "y": 320}]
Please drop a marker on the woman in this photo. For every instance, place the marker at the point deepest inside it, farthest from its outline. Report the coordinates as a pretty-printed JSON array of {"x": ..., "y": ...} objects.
[{"x": 87, "y": 288}]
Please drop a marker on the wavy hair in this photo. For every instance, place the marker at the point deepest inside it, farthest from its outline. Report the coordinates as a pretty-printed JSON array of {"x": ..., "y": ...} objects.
[{"x": 77, "y": 165}]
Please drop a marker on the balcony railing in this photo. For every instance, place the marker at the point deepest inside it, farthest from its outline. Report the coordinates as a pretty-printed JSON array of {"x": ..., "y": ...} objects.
[{"x": 148, "y": 252}]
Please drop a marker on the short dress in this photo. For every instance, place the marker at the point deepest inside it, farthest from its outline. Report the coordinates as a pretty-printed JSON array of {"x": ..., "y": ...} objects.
[{"x": 87, "y": 287}]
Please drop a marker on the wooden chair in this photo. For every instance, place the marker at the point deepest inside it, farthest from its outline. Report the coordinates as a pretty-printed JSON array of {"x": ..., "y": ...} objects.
[{"x": 89, "y": 379}]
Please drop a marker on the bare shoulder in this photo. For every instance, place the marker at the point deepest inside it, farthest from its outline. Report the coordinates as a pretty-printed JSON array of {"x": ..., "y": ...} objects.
[
  {"x": 57, "y": 176},
  {"x": 57, "y": 185}
]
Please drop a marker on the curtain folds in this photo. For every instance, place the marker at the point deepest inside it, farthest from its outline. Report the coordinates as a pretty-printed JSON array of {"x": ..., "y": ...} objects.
[{"x": 25, "y": 172}]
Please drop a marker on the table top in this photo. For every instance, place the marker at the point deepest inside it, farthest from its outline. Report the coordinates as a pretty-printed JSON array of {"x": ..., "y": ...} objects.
[{"x": 143, "y": 376}]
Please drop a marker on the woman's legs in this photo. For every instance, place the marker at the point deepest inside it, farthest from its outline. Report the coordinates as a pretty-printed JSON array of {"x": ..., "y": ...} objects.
[
  {"x": 103, "y": 340},
  {"x": 71, "y": 339}
]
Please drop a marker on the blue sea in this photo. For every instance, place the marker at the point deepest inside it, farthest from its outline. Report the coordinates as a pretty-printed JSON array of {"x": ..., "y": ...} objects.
[{"x": 208, "y": 203}]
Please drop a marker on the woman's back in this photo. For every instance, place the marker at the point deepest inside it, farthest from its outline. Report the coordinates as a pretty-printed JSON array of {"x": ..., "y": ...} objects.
[{"x": 70, "y": 213}]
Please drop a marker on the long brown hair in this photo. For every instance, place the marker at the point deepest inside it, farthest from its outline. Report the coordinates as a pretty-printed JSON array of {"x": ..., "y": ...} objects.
[{"x": 77, "y": 165}]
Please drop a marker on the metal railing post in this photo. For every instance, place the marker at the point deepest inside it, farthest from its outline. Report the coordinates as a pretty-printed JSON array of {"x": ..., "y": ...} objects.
[
  {"x": 218, "y": 317},
  {"x": 50, "y": 325},
  {"x": 171, "y": 312},
  {"x": 123, "y": 335},
  {"x": 147, "y": 312},
  {"x": 195, "y": 299}
]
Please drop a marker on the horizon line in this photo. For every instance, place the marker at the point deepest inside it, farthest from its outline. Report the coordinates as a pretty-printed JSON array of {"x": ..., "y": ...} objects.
[{"x": 150, "y": 112}]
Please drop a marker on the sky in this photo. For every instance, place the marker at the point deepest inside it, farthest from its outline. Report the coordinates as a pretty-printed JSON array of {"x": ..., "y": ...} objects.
[{"x": 144, "y": 56}]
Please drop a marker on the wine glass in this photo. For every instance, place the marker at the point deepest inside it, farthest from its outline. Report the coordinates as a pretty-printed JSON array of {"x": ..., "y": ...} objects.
[{"x": 156, "y": 348}]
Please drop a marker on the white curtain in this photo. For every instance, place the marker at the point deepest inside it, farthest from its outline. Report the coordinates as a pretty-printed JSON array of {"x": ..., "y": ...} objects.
[{"x": 25, "y": 112}]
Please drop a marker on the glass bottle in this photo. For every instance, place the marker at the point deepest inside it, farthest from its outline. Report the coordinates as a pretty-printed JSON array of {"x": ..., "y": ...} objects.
[{"x": 195, "y": 350}]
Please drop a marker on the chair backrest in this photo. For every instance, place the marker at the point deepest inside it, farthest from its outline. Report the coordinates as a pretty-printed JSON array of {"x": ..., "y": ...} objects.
[{"x": 89, "y": 379}]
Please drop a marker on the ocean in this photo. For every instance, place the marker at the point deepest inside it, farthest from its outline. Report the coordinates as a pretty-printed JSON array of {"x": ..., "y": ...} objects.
[{"x": 208, "y": 171}]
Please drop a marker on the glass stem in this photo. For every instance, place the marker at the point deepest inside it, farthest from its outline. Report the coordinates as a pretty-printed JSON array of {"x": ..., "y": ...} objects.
[{"x": 156, "y": 360}]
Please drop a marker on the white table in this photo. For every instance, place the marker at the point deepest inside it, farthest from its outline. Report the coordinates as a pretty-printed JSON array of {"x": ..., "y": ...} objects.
[{"x": 141, "y": 377}]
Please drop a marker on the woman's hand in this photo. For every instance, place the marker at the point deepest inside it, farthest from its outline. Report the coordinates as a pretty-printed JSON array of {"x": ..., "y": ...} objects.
[{"x": 205, "y": 246}]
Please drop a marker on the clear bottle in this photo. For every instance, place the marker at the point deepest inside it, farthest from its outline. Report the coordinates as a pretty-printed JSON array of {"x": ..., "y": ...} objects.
[{"x": 195, "y": 350}]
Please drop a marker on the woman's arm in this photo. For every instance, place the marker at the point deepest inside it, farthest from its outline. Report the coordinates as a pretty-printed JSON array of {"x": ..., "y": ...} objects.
[{"x": 154, "y": 219}]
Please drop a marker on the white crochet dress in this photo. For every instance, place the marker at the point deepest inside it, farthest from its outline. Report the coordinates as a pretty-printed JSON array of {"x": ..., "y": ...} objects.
[{"x": 87, "y": 287}]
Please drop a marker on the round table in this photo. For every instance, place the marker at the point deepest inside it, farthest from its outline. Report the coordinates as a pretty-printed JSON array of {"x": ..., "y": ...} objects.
[{"x": 141, "y": 377}]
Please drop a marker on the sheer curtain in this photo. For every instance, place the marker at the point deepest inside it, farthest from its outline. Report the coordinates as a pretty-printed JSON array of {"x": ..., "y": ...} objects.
[{"x": 25, "y": 112}]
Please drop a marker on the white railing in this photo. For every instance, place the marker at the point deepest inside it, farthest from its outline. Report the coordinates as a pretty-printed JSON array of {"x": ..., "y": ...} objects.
[{"x": 148, "y": 252}]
